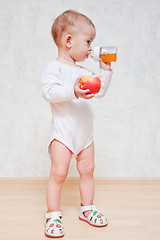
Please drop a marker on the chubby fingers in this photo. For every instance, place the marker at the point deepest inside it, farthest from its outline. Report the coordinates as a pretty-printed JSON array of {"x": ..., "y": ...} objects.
[
  {"x": 79, "y": 92},
  {"x": 88, "y": 96},
  {"x": 105, "y": 66},
  {"x": 108, "y": 64},
  {"x": 85, "y": 93}
]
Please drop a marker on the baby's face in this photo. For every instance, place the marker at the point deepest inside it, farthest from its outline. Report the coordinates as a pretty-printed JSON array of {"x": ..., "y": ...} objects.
[{"x": 81, "y": 42}]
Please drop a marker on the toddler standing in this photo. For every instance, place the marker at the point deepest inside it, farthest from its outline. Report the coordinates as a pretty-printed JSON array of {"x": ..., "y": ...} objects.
[{"x": 72, "y": 117}]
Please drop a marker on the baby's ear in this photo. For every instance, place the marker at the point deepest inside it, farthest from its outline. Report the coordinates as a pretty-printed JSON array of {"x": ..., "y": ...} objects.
[{"x": 68, "y": 40}]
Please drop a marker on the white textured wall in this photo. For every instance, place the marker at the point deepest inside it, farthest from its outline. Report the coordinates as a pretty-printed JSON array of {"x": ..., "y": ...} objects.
[{"x": 127, "y": 124}]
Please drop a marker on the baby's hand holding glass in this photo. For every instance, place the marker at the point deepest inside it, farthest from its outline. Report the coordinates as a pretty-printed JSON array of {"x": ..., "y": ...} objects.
[
  {"x": 105, "y": 55},
  {"x": 105, "y": 66}
]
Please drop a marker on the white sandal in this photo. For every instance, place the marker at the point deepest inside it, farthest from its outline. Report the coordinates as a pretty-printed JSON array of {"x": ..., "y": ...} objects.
[
  {"x": 95, "y": 219},
  {"x": 54, "y": 226}
]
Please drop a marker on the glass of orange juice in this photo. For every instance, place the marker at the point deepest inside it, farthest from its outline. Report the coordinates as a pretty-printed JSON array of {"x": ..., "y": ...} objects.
[{"x": 107, "y": 54}]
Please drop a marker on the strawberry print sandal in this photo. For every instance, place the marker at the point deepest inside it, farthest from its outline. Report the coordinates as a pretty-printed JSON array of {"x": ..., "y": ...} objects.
[
  {"x": 95, "y": 219},
  {"x": 54, "y": 226}
]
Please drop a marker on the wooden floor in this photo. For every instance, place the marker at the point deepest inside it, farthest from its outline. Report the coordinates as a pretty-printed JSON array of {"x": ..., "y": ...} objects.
[{"x": 132, "y": 206}]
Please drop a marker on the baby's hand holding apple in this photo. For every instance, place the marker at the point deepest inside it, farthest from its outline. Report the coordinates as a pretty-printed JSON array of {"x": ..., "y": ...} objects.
[{"x": 79, "y": 92}]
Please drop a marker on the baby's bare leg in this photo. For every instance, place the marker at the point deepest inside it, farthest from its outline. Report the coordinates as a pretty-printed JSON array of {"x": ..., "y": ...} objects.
[
  {"x": 85, "y": 167},
  {"x": 60, "y": 160}
]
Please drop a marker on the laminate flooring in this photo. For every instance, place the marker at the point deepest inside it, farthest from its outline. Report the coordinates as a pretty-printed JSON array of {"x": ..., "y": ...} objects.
[{"x": 131, "y": 205}]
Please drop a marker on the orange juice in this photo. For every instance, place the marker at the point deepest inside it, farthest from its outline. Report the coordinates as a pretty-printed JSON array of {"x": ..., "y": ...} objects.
[
  {"x": 107, "y": 54},
  {"x": 108, "y": 57}
]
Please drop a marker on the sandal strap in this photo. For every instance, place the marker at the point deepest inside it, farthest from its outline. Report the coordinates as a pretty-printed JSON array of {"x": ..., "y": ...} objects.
[
  {"x": 89, "y": 207},
  {"x": 53, "y": 215}
]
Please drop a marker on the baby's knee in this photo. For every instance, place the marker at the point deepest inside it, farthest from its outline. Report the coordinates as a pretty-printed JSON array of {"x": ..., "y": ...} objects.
[
  {"x": 86, "y": 171},
  {"x": 59, "y": 175}
]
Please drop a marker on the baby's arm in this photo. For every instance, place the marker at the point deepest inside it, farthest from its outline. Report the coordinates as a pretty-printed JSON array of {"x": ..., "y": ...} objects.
[
  {"x": 53, "y": 89},
  {"x": 105, "y": 74}
]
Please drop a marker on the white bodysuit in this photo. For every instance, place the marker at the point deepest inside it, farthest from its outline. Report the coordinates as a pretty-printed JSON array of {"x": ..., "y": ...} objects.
[{"x": 72, "y": 118}]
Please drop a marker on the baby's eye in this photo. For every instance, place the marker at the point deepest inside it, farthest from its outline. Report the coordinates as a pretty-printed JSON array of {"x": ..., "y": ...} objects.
[{"x": 89, "y": 42}]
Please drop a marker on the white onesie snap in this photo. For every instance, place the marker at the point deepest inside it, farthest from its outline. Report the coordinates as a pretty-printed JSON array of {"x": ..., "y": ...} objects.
[{"x": 72, "y": 118}]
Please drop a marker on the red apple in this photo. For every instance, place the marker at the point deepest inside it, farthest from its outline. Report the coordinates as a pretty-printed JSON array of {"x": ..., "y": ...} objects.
[{"x": 91, "y": 83}]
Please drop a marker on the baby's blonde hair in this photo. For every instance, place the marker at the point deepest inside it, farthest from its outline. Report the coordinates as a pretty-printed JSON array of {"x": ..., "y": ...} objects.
[{"x": 66, "y": 21}]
